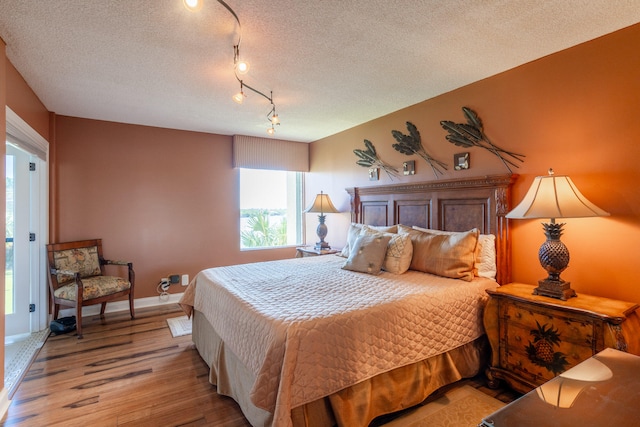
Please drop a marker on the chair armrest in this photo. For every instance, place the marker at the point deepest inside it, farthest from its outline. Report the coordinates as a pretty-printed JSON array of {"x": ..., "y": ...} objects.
[
  {"x": 129, "y": 265},
  {"x": 114, "y": 262},
  {"x": 65, "y": 272}
]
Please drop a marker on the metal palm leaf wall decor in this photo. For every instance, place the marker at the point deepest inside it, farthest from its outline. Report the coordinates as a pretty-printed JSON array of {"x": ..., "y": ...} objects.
[
  {"x": 412, "y": 144},
  {"x": 471, "y": 134},
  {"x": 369, "y": 159}
]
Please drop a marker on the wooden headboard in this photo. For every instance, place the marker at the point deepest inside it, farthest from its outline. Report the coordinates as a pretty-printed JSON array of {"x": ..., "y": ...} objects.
[{"x": 450, "y": 205}]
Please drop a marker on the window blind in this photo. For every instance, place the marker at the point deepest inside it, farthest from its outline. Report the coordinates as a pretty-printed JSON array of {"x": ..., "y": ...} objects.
[{"x": 266, "y": 153}]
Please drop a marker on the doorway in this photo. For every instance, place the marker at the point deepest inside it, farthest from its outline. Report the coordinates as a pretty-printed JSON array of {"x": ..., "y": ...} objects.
[
  {"x": 27, "y": 217},
  {"x": 17, "y": 272}
]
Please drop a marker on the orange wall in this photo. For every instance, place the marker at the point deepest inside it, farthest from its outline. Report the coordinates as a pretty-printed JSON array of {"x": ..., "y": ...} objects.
[
  {"x": 165, "y": 199},
  {"x": 576, "y": 111},
  {"x": 24, "y": 102}
]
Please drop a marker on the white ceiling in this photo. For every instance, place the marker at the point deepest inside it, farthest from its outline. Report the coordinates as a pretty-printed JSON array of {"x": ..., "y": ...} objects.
[{"x": 330, "y": 64}]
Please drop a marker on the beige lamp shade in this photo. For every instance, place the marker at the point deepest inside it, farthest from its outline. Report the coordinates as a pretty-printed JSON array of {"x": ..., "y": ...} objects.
[
  {"x": 322, "y": 204},
  {"x": 554, "y": 196}
]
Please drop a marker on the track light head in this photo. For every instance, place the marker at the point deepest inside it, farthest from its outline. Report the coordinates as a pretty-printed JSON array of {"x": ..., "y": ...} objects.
[
  {"x": 192, "y": 5},
  {"x": 242, "y": 67},
  {"x": 239, "y": 97}
]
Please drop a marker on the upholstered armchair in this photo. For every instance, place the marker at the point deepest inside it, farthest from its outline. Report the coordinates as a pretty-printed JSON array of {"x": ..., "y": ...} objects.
[{"x": 77, "y": 278}]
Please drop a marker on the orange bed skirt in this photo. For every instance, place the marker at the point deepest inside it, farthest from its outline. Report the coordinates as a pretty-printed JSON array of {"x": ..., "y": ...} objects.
[{"x": 353, "y": 406}]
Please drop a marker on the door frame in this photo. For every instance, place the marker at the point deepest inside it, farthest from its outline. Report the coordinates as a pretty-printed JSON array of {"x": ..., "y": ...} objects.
[{"x": 25, "y": 137}]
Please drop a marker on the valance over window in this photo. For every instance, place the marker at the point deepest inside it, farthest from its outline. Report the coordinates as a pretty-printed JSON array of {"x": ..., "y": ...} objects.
[{"x": 267, "y": 153}]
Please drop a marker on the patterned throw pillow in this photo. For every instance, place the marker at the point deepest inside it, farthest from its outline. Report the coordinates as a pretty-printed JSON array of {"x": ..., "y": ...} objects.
[
  {"x": 367, "y": 254},
  {"x": 399, "y": 251},
  {"x": 355, "y": 230}
]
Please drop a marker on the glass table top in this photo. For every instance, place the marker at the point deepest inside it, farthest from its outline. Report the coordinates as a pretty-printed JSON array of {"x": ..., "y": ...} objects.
[{"x": 603, "y": 390}]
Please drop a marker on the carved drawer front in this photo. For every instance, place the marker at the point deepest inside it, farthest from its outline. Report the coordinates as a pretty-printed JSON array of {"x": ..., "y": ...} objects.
[{"x": 539, "y": 344}]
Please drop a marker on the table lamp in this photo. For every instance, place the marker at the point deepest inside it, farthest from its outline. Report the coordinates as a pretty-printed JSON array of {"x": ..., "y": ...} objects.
[
  {"x": 554, "y": 196},
  {"x": 322, "y": 204}
]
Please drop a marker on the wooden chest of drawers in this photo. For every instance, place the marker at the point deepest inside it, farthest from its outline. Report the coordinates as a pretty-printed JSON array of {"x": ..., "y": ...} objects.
[{"x": 535, "y": 338}]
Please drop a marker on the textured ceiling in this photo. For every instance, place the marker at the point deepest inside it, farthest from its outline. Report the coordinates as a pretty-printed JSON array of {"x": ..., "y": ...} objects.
[{"x": 330, "y": 64}]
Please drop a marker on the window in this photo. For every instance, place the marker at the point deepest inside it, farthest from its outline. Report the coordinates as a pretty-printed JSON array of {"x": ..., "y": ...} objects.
[{"x": 270, "y": 208}]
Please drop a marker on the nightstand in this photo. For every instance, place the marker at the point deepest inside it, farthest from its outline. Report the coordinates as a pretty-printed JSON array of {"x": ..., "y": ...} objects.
[
  {"x": 535, "y": 338},
  {"x": 304, "y": 252}
]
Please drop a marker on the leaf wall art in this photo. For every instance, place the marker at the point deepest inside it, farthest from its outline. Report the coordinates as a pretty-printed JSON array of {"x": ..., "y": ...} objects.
[
  {"x": 369, "y": 158},
  {"x": 471, "y": 134},
  {"x": 412, "y": 144}
]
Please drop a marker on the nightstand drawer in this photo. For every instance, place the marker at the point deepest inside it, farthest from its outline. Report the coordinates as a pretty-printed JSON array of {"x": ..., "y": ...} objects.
[
  {"x": 536, "y": 354},
  {"x": 546, "y": 324}
]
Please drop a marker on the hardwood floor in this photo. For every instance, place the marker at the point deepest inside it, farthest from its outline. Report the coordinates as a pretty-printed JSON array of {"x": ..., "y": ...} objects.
[
  {"x": 122, "y": 373},
  {"x": 129, "y": 373}
]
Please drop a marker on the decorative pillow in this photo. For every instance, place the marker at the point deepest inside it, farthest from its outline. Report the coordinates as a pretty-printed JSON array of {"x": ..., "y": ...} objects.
[
  {"x": 352, "y": 235},
  {"x": 485, "y": 265},
  {"x": 399, "y": 251},
  {"x": 367, "y": 253},
  {"x": 355, "y": 230},
  {"x": 447, "y": 255},
  {"x": 486, "y": 257}
]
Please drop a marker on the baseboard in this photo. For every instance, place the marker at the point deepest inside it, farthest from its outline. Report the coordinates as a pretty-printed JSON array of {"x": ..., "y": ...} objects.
[
  {"x": 115, "y": 306},
  {"x": 4, "y": 402}
]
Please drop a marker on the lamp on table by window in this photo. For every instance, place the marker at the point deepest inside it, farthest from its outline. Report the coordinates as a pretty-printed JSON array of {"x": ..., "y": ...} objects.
[
  {"x": 554, "y": 196},
  {"x": 322, "y": 204}
]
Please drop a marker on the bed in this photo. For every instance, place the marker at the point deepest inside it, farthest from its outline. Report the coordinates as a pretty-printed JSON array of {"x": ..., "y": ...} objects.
[{"x": 340, "y": 340}]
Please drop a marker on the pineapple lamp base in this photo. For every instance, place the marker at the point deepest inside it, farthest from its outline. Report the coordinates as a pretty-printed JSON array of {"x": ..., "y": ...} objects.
[
  {"x": 555, "y": 289},
  {"x": 554, "y": 257}
]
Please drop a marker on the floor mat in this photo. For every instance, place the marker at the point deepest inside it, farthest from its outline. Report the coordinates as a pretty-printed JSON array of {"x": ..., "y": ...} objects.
[
  {"x": 179, "y": 326},
  {"x": 18, "y": 358},
  {"x": 460, "y": 407}
]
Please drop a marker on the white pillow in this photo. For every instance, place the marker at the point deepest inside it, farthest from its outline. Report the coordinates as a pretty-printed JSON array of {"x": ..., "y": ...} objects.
[
  {"x": 399, "y": 251},
  {"x": 352, "y": 235},
  {"x": 485, "y": 263},
  {"x": 486, "y": 260}
]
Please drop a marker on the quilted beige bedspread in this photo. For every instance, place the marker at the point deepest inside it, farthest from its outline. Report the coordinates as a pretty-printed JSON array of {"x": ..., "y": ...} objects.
[{"x": 306, "y": 328}]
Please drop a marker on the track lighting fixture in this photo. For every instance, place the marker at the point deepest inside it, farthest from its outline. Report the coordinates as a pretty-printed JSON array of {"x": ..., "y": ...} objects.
[
  {"x": 240, "y": 67},
  {"x": 273, "y": 117}
]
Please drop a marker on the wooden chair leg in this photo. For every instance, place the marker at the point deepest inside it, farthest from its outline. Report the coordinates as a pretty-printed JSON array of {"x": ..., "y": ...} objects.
[
  {"x": 56, "y": 311},
  {"x": 131, "y": 308},
  {"x": 79, "y": 320},
  {"x": 102, "y": 308}
]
